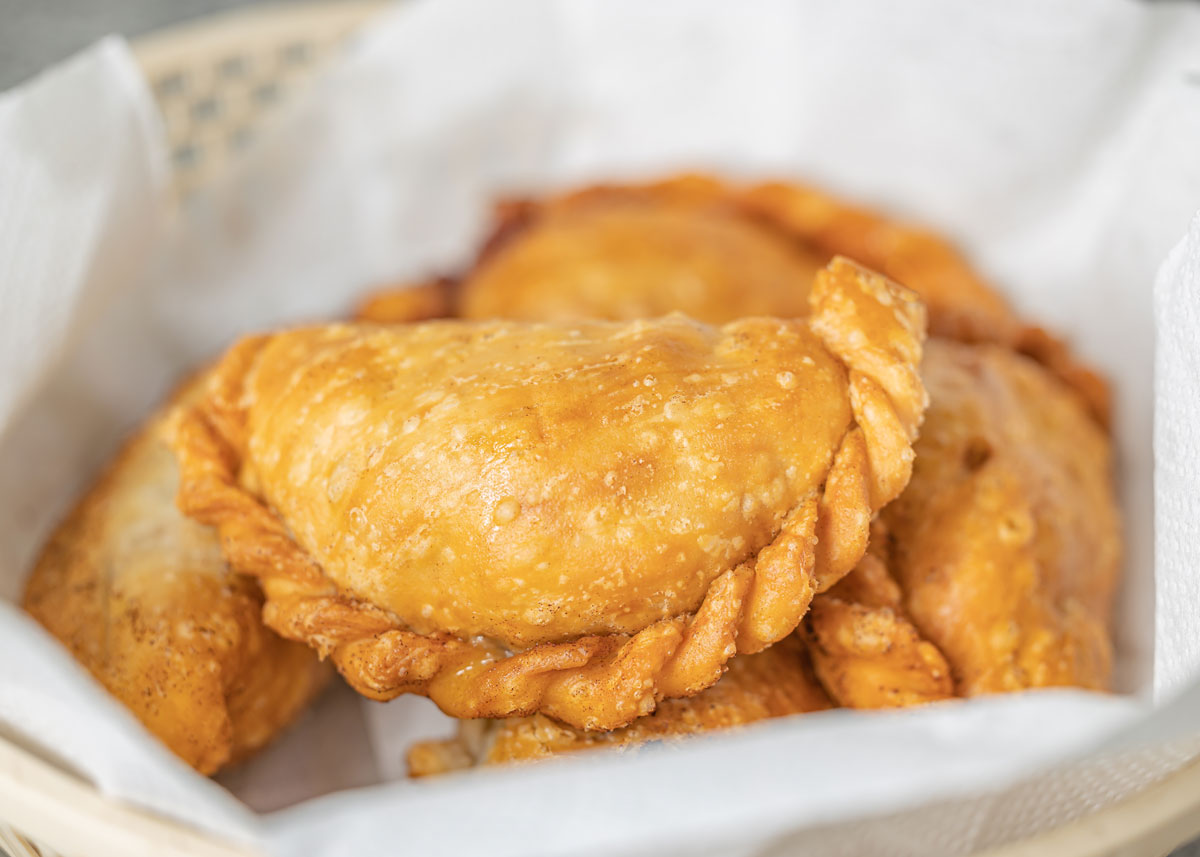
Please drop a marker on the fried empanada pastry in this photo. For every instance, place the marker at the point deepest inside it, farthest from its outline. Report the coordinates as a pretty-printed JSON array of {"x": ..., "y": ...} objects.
[
  {"x": 995, "y": 569},
  {"x": 577, "y": 519},
  {"x": 417, "y": 302},
  {"x": 772, "y": 683},
  {"x": 143, "y": 598},
  {"x": 625, "y": 253},
  {"x": 962, "y": 306},
  {"x": 960, "y": 303},
  {"x": 1001, "y": 438},
  {"x": 865, "y": 650},
  {"x": 717, "y": 251},
  {"x": 1006, "y": 543}
]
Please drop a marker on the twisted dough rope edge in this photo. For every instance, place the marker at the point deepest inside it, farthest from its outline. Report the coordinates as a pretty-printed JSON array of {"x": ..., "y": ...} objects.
[
  {"x": 845, "y": 635},
  {"x": 598, "y": 682},
  {"x": 849, "y": 634}
]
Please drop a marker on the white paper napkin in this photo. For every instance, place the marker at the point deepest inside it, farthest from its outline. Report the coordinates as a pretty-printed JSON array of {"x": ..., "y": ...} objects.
[{"x": 1177, "y": 462}]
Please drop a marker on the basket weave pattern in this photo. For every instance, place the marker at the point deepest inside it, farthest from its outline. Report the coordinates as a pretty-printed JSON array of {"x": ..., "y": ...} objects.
[{"x": 216, "y": 81}]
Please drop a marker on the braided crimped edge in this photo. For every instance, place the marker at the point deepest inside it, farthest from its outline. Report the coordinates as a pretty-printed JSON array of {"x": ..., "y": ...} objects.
[
  {"x": 864, "y": 648},
  {"x": 873, "y": 656},
  {"x": 597, "y": 682}
]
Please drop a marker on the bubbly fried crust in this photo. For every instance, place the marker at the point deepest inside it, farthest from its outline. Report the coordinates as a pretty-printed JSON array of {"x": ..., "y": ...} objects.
[
  {"x": 773, "y": 683},
  {"x": 718, "y": 251},
  {"x": 420, "y": 502},
  {"x": 1006, "y": 543},
  {"x": 142, "y": 597}
]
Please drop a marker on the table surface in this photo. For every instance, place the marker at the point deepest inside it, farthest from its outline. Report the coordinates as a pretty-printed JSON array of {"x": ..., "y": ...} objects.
[{"x": 36, "y": 33}]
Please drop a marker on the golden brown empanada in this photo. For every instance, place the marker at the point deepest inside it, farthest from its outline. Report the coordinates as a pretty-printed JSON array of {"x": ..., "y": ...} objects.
[
  {"x": 1006, "y": 543},
  {"x": 629, "y": 252},
  {"x": 995, "y": 569},
  {"x": 775, "y": 682},
  {"x": 143, "y": 598},
  {"x": 417, "y": 302},
  {"x": 578, "y": 519},
  {"x": 961, "y": 305},
  {"x": 718, "y": 251}
]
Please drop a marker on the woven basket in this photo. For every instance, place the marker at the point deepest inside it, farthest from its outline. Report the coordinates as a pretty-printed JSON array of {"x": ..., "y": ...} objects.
[{"x": 214, "y": 80}]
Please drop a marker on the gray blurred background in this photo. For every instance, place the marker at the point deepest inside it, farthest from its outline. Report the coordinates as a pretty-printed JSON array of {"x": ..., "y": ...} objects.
[{"x": 36, "y": 33}]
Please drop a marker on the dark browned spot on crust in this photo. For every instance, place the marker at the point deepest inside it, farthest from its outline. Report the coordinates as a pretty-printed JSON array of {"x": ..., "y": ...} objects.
[{"x": 976, "y": 453}]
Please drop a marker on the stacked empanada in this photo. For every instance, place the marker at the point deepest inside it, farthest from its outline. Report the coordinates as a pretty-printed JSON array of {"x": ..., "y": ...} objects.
[
  {"x": 579, "y": 518},
  {"x": 666, "y": 436},
  {"x": 143, "y": 598}
]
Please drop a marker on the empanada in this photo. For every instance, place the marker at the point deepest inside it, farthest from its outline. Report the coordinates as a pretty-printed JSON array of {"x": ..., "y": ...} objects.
[
  {"x": 1005, "y": 449},
  {"x": 628, "y": 252},
  {"x": 775, "y": 682},
  {"x": 578, "y": 518},
  {"x": 995, "y": 569},
  {"x": 1007, "y": 542},
  {"x": 143, "y": 598},
  {"x": 717, "y": 251}
]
